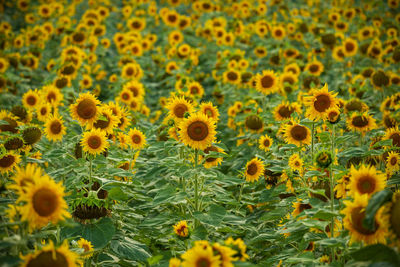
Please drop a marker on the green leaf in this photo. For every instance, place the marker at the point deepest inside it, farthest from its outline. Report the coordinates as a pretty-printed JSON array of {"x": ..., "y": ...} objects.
[
  {"x": 116, "y": 193},
  {"x": 130, "y": 249},
  {"x": 98, "y": 233},
  {"x": 164, "y": 195},
  {"x": 376, "y": 201},
  {"x": 155, "y": 259},
  {"x": 376, "y": 253}
]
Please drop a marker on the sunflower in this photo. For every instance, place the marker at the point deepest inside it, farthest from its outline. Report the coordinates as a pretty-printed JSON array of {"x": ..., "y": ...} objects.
[
  {"x": 231, "y": 76},
  {"x": 181, "y": 229},
  {"x": 178, "y": 106},
  {"x": 171, "y": 67},
  {"x": 226, "y": 253},
  {"x": 350, "y": 47},
  {"x": 54, "y": 128},
  {"x": 361, "y": 122},
  {"x": 52, "y": 95},
  {"x": 30, "y": 99},
  {"x": 333, "y": 115},
  {"x": 85, "y": 110},
  {"x": 174, "y": 262},
  {"x": 318, "y": 102},
  {"x": 136, "y": 88},
  {"x": 195, "y": 89},
  {"x": 267, "y": 82},
  {"x": 200, "y": 255},
  {"x": 254, "y": 169},
  {"x": 126, "y": 96},
  {"x": 107, "y": 121},
  {"x": 137, "y": 139},
  {"x": 285, "y": 110},
  {"x": 8, "y": 161},
  {"x": 211, "y": 161},
  {"x": 197, "y": 131},
  {"x": 314, "y": 68},
  {"x": 50, "y": 256},
  {"x": 87, "y": 248},
  {"x": 288, "y": 80},
  {"x": 265, "y": 142},
  {"x": 3, "y": 64},
  {"x": 393, "y": 162},
  {"x": 44, "y": 203},
  {"x": 43, "y": 110},
  {"x": 394, "y": 134},
  {"x": 353, "y": 221},
  {"x": 208, "y": 109},
  {"x": 366, "y": 180},
  {"x": 25, "y": 176},
  {"x": 94, "y": 141},
  {"x": 254, "y": 123},
  {"x": 239, "y": 246},
  {"x": 299, "y": 207},
  {"x": 295, "y": 163},
  {"x": 12, "y": 123},
  {"x": 296, "y": 134},
  {"x": 278, "y": 32}
]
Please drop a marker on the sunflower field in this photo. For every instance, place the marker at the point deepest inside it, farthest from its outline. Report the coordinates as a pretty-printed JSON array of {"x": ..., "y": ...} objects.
[{"x": 203, "y": 133}]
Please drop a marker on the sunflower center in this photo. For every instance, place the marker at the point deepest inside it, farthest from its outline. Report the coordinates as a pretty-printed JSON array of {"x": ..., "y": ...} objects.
[
  {"x": 44, "y": 202},
  {"x": 86, "y": 109},
  {"x": 31, "y": 100},
  {"x": 232, "y": 76},
  {"x": 322, "y": 103},
  {"x": 43, "y": 111},
  {"x": 78, "y": 37},
  {"x": 266, "y": 143},
  {"x": 102, "y": 124},
  {"x": 61, "y": 83},
  {"x": 197, "y": 131},
  {"x": 366, "y": 185},
  {"x": 360, "y": 121},
  {"x": 136, "y": 139},
  {"x": 134, "y": 91},
  {"x": 194, "y": 90},
  {"x": 303, "y": 207},
  {"x": 396, "y": 139},
  {"x": 395, "y": 218},
  {"x": 285, "y": 111},
  {"x": 298, "y": 133},
  {"x": 357, "y": 217},
  {"x": 203, "y": 262},
  {"x": 209, "y": 112},
  {"x": 85, "y": 247},
  {"x": 393, "y": 161},
  {"x": 94, "y": 142},
  {"x": 180, "y": 110},
  {"x": 55, "y": 127},
  {"x": 51, "y": 97},
  {"x": 7, "y": 161},
  {"x": 254, "y": 122},
  {"x": 129, "y": 72},
  {"x": 47, "y": 259},
  {"x": 125, "y": 96},
  {"x": 267, "y": 81},
  {"x": 252, "y": 169},
  {"x": 314, "y": 68}
]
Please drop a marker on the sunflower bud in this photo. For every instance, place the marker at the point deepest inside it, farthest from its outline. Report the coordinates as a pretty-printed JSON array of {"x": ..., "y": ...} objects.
[
  {"x": 323, "y": 159},
  {"x": 31, "y": 135}
]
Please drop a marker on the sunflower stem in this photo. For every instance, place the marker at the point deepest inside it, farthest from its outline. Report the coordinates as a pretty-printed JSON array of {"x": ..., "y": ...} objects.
[
  {"x": 332, "y": 186},
  {"x": 90, "y": 169},
  {"x": 312, "y": 143},
  {"x": 196, "y": 182}
]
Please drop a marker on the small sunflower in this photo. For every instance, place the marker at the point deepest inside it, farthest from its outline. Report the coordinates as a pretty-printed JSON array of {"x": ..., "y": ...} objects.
[
  {"x": 239, "y": 246},
  {"x": 393, "y": 162},
  {"x": 136, "y": 88},
  {"x": 297, "y": 134},
  {"x": 86, "y": 109},
  {"x": 200, "y": 255},
  {"x": 366, "y": 180},
  {"x": 178, "y": 106},
  {"x": 226, "y": 253},
  {"x": 295, "y": 163},
  {"x": 136, "y": 138},
  {"x": 9, "y": 161},
  {"x": 44, "y": 203},
  {"x": 350, "y": 47},
  {"x": 54, "y": 128},
  {"x": 87, "y": 248},
  {"x": 211, "y": 111},
  {"x": 254, "y": 169},
  {"x": 52, "y": 95},
  {"x": 267, "y": 82},
  {"x": 361, "y": 122},
  {"x": 318, "y": 102},
  {"x": 197, "y": 131},
  {"x": 394, "y": 134},
  {"x": 43, "y": 109},
  {"x": 231, "y": 76},
  {"x": 353, "y": 221},
  {"x": 285, "y": 110},
  {"x": 195, "y": 89},
  {"x": 265, "y": 143},
  {"x": 94, "y": 141},
  {"x": 30, "y": 99},
  {"x": 106, "y": 122},
  {"x": 315, "y": 68},
  {"x": 50, "y": 256},
  {"x": 181, "y": 229}
]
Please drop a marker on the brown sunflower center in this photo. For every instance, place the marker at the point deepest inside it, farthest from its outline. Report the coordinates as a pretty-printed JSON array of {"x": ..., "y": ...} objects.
[
  {"x": 78, "y": 37},
  {"x": 267, "y": 143},
  {"x": 94, "y": 142},
  {"x": 314, "y": 68},
  {"x": 232, "y": 76},
  {"x": 134, "y": 91},
  {"x": 194, "y": 90},
  {"x": 179, "y": 110},
  {"x": 366, "y": 184},
  {"x": 203, "y": 262},
  {"x": 395, "y": 139},
  {"x": 197, "y": 131},
  {"x": 48, "y": 259},
  {"x": 61, "y": 82},
  {"x": 102, "y": 124},
  {"x": 285, "y": 111},
  {"x": 357, "y": 217},
  {"x": 278, "y": 33},
  {"x": 55, "y": 127},
  {"x": 86, "y": 109},
  {"x": 125, "y": 96},
  {"x": 303, "y": 207},
  {"x": 7, "y": 161},
  {"x": 252, "y": 169},
  {"x": 349, "y": 47},
  {"x": 322, "y": 103},
  {"x": 393, "y": 161},
  {"x": 45, "y": 202},
  {"x": 298, "y": 133},
  {"x": 31, "y": 100},
  {"x": 209, "y": 112},
  {"x": 51, "y": 96},
  {"x": 136, "y": 139},
  {"x": 360, "y": 121},
  {"x": 267, "y": 81},
  {"x": 85, "y": 247},
  {"x": 129, "y": 72}
]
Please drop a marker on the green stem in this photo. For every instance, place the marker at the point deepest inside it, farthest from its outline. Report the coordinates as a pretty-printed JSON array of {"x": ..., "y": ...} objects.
[
  {"x": 312, "y": 143},
  {"x": 332, "y": 181},
  {"x": 90, "y": 169},
  {"x": 196, "y": 182}
]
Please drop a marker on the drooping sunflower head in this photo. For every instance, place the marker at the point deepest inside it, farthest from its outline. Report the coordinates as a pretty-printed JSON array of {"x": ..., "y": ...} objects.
[
  {"x": 366, "y": 180},
  {"x": 14, "y": 143},
  {"x": 254, "y": 123},
  {"x": 31, "y": 135},
  {"x": 12, "y": 123},
  {"x": 254, "y": 169},
  {"x": 267, "y": 82},
  {"x": 318, "y": 102},
  {"x": 86, "y": 109},
  {"x": 299, "y": 207},
  {"x": 353, "y": 221},
  {"x": 197, "y": 131},
  {"x": 94, "y": 141},
  {"x": 178, "y": 106}
]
